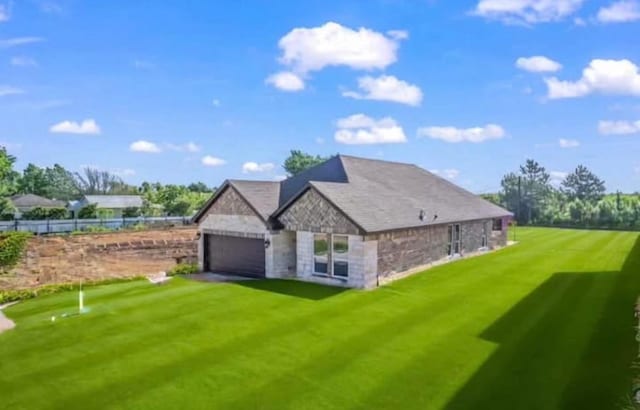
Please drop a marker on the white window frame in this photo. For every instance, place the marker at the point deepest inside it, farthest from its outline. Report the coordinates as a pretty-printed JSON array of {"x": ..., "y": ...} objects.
[{"x": 331, "y": 257}]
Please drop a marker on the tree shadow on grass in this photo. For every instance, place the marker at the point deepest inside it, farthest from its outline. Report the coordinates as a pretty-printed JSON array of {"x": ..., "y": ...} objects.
[
  {"x": 305, "y": 290},
  {"x": 569, "y": 345}
]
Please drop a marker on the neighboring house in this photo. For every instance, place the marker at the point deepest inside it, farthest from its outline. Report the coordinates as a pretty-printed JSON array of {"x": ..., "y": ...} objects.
[
  {"x": 113, "y": 205},
  {"x": 349, "y": 221},
  {"x": 27, "y": 202}
]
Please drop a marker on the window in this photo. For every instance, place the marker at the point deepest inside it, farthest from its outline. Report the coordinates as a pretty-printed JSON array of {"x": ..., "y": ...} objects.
[
  {"x": 340, "y": 256},
  {"x": 321, "y": 253},
  {"x": 331, "y": 255},
  {"x": 484, "y": 235},
  {"x": 497, "y": 224},
  {"x": 454, "y": 245}
]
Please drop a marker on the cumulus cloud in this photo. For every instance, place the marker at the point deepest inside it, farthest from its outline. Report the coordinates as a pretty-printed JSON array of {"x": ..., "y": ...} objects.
[
  {"x": 386, "y": 88},
  {"x": 145, "y": 146},
  {"x": 615, "y": 77},
  {"x": 449, "y": 173},
  {"x": 286, "y": 81},
  {"x": 619, "y": 127},
  {"x": 211, "y": 161},
  {"x": 312, "y": 49},
  {"x": 456, "y": 135},
  {"x": 23, "y": 62},
  {"x": 526, "y": 11},
  {"x": 188, "y": 147},
  {"x": 538, "y": 64},
  {"x": 624, "y": 11},
  {"x": 9, "y": 90},
  {"x": 18, "y": 41},
  {"x": 567, "y": 143},
  {"x": 87, "y": 127},
  {"x": 360, "y": 129},
  {"x": 253, "y": 167}
]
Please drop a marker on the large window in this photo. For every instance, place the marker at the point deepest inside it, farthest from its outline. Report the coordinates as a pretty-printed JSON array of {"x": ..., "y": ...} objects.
[
  {"x": 497, "y": 224},
  {"x": 321, "y": 253},
  {"x": 331, "y": 255},
  {"x": 341, "y": 256},
  {"x": 455, "y": 243}
]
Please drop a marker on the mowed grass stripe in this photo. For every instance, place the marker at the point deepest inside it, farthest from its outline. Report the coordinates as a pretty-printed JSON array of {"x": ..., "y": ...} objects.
[{"x": 496, "y": 331}]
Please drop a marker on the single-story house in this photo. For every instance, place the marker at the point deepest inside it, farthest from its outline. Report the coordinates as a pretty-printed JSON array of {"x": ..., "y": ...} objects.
[
  {"x": 114, "y": 205},
  {"x": 349, "y": 221},
  {"x": 27, "y": 202}
]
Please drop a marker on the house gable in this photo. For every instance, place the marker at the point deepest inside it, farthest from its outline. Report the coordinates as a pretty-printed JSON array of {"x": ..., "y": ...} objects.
[
  {"x": 229, "y": 202},
  {"x": 312, "y": 212}
]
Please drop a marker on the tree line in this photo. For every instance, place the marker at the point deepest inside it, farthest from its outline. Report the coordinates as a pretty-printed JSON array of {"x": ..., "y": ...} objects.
[
  {"x": 579, "y": 201},
  {"x": 58, "y": 183}
]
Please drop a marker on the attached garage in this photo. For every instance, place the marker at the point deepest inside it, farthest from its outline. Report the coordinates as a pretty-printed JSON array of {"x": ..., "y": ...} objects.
[{"x": 234, "y": 254}]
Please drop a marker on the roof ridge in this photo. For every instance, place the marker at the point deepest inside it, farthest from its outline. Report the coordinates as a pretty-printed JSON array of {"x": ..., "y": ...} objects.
[{"x": 376, "y": 160}]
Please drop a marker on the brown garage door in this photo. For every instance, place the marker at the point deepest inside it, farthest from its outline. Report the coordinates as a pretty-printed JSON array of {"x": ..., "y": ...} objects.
[{"x": 231, "y": 254}]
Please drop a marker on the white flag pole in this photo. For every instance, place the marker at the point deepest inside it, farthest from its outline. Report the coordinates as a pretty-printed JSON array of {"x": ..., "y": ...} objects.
[{"x": 80, "y": 299}]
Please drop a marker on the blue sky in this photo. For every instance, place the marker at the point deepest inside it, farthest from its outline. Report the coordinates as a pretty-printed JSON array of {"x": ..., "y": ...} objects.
[{"x": 178, "y": 91}]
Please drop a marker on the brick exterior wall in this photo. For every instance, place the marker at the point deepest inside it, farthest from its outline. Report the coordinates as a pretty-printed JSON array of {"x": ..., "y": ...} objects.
[
  {"x": 312, "y": 213},
  {"x": 403, "y": 250}
]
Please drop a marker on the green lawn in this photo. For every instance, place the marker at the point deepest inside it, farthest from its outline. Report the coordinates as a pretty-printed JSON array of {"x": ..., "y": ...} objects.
[{"x": 545, "y": 324}]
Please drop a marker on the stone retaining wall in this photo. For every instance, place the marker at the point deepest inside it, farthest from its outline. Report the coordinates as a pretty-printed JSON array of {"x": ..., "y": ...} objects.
[{"x": 62, "y": 259}]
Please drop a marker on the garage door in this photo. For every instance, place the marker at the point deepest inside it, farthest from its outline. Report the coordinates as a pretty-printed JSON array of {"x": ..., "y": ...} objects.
[{"x": 230, "y": 254}]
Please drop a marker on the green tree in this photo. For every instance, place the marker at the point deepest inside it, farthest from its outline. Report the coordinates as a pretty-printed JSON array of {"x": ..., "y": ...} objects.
[
  {"x": 198, "y": 187},
  {"x": 93, "y": 181},
  {"x": 524, "y": 193},
  {"x": 33, "y": 181},
  {"x": 88, "y": 212},
  {"x": 298, "y": 161},
  {"x": 61, "y": 183},
  {"x": 8, "y": 181},
  {"x": 583, "y": 185}
]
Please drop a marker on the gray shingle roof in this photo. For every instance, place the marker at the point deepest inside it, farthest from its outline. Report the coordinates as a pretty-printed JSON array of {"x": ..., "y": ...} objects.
[
  {"x": 376, "y": 195},
  {"x": 382, "y": 195},
  {"x": 33, "y": 201},
  {"x": 262, "y": 195},
  {"x": 115, "y": 201}
]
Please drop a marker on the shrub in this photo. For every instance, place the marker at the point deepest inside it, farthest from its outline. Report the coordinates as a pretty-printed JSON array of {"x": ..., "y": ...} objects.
[
  {"x": 12, "y": 245},
  {"x": 183, "y": 269},
  {"x": 45, "y": 213},
  {"x": 88, "y": 212},
  {"x": 131, "y": 212}
]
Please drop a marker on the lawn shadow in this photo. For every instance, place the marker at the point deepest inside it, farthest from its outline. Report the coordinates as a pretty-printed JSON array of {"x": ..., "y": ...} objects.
[
  {"x": 299, "y": 289},
  {"x": 569, "y": 344}
]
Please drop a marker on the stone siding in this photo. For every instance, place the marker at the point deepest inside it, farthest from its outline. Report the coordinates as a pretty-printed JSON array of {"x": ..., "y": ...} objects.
[
  {"x": 312, "y": 213},
  {"x": 63, "y": 259},
  {"x": 230, "y": 203},
  {"x": 281, "y": 255},
  {"x": 403, "y": 250}
]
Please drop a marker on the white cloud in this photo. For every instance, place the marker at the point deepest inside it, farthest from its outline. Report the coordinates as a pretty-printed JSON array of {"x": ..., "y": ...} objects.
[
  {"x": 188, "y": 147},
  {"x": 286, "y": 81},
  {"x": 360, "y": 129},
  {"x": 23, "y": 62},
  {"x": 9, "y": 90},
  {"x": 386, "y": 88},
  {"x": 526, "y": 11},
  {"x": 145, "y": 146},
  {"x": 312, "y": 49},
  {"x": 279, "y": 177},
  {"x": 579, "y": 21},
  {"x": 88, "y": 127},
  {"x": 18, "y": 41},
  {"x": 211, "y": 161},
  {"x": 450, "y": 173},
  {"x": 251, "y": 167},
  {"x": 556, "y": 177},
  {"x": 216, "y": 103},
  {"x": 619, "y": 77},
  {"x": 620, "y": 12},
  {"x": 567, "y": 143},
  {"x": 538, "y": 64},
  {"x": 5, "y": 14},
  {"x": 398, "y": 34},
  {"x": 619, "y": 127},
  {"x": 125, "y": 172},
  {"x": 455, "y": 135}
]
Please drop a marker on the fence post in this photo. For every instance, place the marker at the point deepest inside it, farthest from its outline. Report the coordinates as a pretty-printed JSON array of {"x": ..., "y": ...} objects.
[
  {"x": 48, "y": 226},
  {"x": 16, "y": 223},
  {"x": 75, "y": 224}
]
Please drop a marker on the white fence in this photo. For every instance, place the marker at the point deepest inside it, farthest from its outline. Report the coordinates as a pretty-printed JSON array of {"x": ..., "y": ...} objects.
[{"x": 70, "y": 225}]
